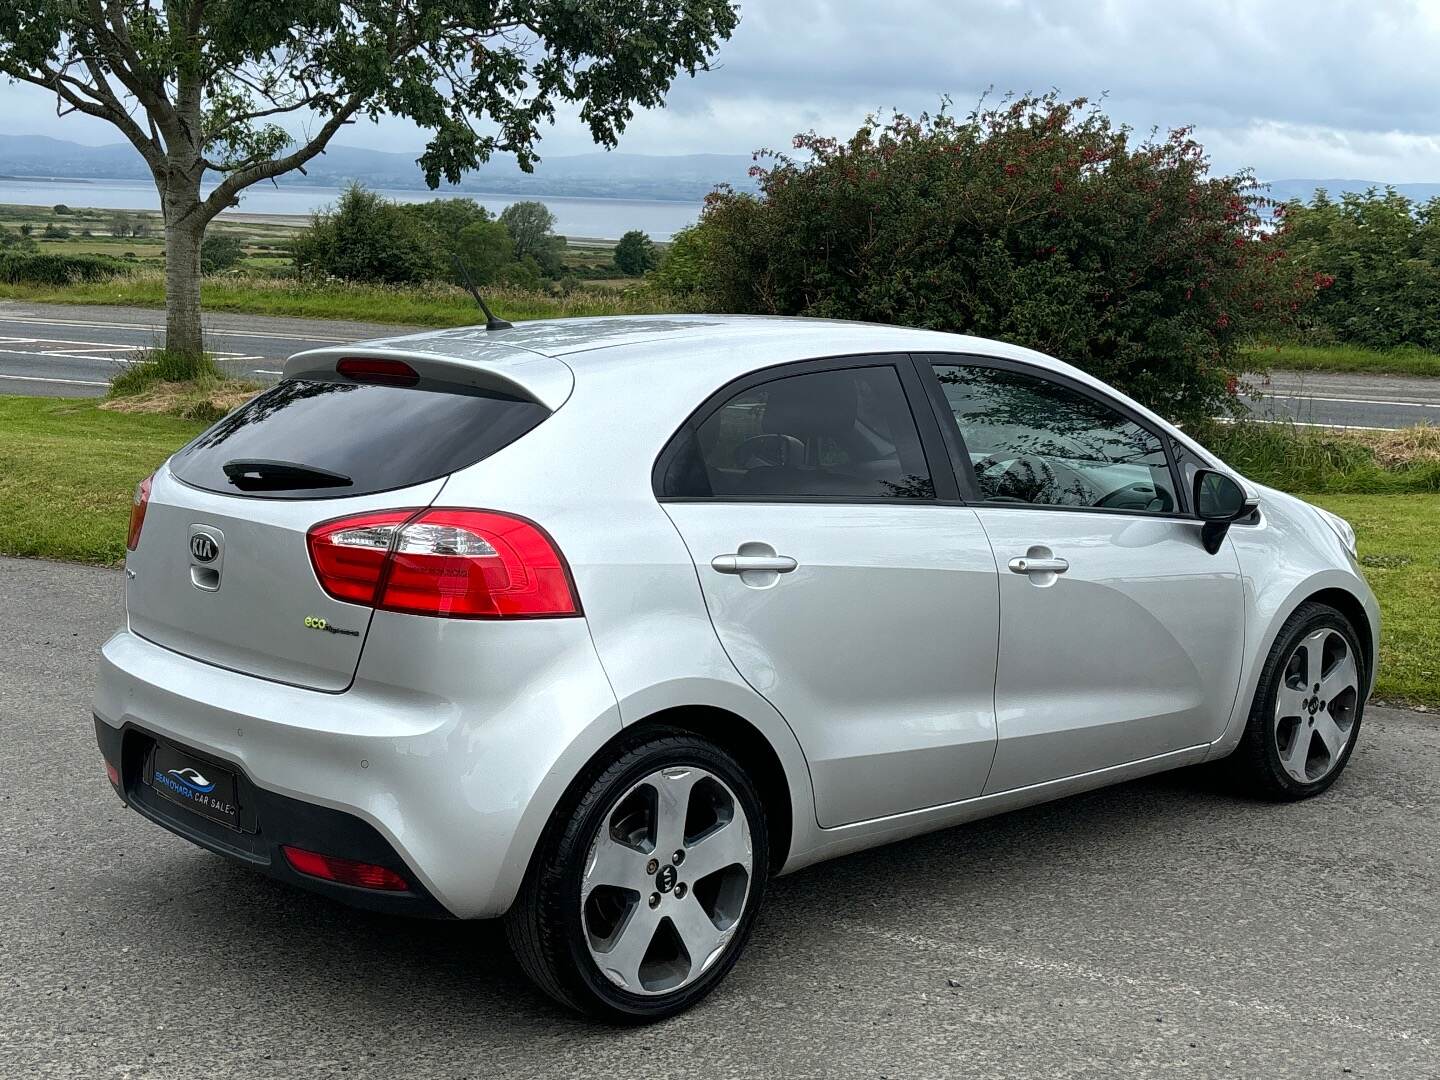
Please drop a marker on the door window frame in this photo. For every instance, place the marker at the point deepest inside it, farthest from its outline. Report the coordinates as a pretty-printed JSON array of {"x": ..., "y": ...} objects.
[
  {"x": 936, "y": 451},
  {"x": 954, "y": 440}
]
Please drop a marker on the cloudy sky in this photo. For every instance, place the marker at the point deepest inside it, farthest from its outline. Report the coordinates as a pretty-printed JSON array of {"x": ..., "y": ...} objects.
[{"x": 1292, "y": 88}]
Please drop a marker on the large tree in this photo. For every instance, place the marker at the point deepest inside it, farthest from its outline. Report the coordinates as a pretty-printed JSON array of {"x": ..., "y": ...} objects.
[{"x": 219, "y": 86}]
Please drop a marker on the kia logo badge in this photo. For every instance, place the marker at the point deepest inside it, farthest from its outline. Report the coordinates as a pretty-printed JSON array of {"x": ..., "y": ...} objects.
[{"x": 203, "y": 548}]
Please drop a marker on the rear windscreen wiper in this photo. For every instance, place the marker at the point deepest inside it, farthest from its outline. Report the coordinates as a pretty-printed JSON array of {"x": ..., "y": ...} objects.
[{"x": 257, "y": 474}]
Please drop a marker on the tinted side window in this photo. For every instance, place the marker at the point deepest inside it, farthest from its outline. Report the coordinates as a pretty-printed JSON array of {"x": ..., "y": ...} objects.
[
  {"x": 1034, "y": 441},
  {"x": 376, "y": 437},
  {"x": 839, "y": 434}
]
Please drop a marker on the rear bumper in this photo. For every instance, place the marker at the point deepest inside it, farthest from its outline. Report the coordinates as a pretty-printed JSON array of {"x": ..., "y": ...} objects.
[
  {"x": 450, "y": 787},
  {"x": 271, "y": 820}
]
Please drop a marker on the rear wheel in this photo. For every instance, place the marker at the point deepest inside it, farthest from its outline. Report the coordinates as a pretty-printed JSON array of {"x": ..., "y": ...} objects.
[
  {"x": 645, "y": 887},
  {"x": 1307, "y": 710}
]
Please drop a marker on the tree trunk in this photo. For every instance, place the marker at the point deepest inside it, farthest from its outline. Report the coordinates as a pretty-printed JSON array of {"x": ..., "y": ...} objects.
[{"x": 184, "y": 232}]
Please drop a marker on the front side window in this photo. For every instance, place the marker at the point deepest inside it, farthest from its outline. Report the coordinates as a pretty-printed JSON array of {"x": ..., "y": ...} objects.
[
  {"x": 831, "y": 434},
  {"x": 1034, "y": 441}
]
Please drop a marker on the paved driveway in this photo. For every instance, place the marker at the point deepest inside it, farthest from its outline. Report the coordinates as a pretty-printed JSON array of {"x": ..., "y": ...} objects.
[{"x": 1163, "y": 928}]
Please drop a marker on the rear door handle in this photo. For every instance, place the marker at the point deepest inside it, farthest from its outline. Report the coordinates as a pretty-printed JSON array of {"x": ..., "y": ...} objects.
[
  {"x": 1024, "y": 564},
  {"x": 744, "y": 564}
]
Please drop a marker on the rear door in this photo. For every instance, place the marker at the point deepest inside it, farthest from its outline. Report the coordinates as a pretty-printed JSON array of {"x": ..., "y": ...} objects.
[
  {"x": 222, "y": 569},
  {"x": 1121, "y": 637},
  {"x": 847, "y": 588}
]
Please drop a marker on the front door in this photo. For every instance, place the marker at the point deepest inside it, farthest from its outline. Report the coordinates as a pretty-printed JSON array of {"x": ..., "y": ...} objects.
[
  {"x": 857, "y": 603},
  {"x": 1121, "y": 638}
]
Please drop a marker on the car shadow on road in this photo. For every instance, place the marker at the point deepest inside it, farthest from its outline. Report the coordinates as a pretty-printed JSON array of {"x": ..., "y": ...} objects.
[{"x": 414, "y": 975}]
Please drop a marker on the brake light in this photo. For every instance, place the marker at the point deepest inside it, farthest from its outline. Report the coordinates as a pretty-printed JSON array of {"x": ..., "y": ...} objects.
[
  {"x": 345, "y": 871},
  {"x": 138, "y": 503},
  {"x": 376, "y": 370},
  {"x": 450, "y": 563}
]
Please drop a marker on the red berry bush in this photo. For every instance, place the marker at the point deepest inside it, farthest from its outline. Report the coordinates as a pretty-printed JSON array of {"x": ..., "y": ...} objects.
[{"x": 1035, "y": 221}]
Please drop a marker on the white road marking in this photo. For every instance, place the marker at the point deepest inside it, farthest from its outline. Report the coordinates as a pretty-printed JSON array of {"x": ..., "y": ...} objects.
[
  {"x": 1304, "y": 423},
  {"x": 1357, "y": 401},
  {"x": 67, "y": 382},
  {"x": 158, "y": 329}
]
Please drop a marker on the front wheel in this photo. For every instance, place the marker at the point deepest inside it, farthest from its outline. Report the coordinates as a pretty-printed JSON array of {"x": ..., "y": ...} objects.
[
  {"x": 1305, "y": 719},
  {"x": 646, "y": 884}
]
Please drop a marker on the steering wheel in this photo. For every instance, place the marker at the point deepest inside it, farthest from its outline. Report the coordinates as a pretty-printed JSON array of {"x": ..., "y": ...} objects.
[
  {"x": 1139, "y": 496},
  {"x": 768, "y": 451},
  {"x": 1025, "y": 478}
]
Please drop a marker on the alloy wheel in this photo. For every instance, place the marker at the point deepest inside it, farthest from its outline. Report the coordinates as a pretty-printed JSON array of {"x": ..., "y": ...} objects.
[
  {"x": 666, "y": 880},
  {"x": 1316, "y": 705}
]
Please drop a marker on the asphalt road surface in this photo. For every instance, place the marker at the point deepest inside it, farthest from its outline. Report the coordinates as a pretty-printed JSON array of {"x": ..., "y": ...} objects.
[
  {"x": 1165, "y": 927},
  {"x": 57, "y": 350},
  {"x": 73, "y": 351}
]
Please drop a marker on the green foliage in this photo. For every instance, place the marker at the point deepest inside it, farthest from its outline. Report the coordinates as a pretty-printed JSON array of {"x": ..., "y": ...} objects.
[
  {"x": 1035, "y": 221},
  {"x": 61, "y": 208},
  {"x": 53, "y": 231},
  {"x": 18, "y": 268},
  {"x": 366, "y": 237},
  {"x": 682, "y": 272},
  {"x": 532, "y": 226},
  {"x": 18, "y": 241},
  {"x": 220, "y": 252},
  {"x": 486, "y": 248},
  {"x": 635, "y": 254},
  {"x": 1377, "y": 259}
]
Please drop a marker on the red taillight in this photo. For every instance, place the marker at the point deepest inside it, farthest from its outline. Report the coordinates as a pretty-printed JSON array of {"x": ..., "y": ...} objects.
[
  {"x": 459, "y": 564},
  {"x": 345, "y": 871},
  {"x": 138, "y": 503},
  {"x": 374, "y": 370},
  {"x": 113, "y": 773}
]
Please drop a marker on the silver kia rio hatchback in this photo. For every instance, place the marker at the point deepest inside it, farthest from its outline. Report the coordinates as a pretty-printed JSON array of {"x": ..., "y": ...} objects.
[{"x": 599, "y": 624}]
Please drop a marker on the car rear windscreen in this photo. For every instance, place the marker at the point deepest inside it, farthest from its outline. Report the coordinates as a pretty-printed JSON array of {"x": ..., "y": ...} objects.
[{"x": 307, "y": 439}]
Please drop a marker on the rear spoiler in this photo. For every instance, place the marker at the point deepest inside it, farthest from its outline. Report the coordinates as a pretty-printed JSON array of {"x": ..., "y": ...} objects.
[{"x": 501, "y": 369}]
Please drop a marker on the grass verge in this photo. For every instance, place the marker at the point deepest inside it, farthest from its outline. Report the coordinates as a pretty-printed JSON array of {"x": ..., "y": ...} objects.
[
  {"x": 1400, "y": 553},
  {"x": 1327, "y": 461},
  {"x": 175, "y": 385},
  {"x": 67, "y": 471},
  {"x": 1344, "y": 358},
  {"x": 436, "y": 305}
]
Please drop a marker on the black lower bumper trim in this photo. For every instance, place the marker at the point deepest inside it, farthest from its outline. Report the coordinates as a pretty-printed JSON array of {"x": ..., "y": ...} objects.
[{"x": 267, "y": 820}]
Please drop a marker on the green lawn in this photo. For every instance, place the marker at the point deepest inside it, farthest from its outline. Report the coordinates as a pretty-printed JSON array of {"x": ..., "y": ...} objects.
[
  {"x": 1399, "y": 541},
  {"x": 1347, "y": 358},
  {"x": 67, "y": 469}
]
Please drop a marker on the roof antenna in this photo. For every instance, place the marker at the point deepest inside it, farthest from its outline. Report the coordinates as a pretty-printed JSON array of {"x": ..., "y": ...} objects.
[{"x": 491, "y": 322}]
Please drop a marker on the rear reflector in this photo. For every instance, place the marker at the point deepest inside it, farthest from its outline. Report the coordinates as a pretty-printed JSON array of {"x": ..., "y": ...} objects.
[
  {"x": 113, "y": 773},
  {"x": 344, "y": 871},
  {"x": 138, "y": 503},
  {"x": 384, "y": 372},
  {"x": 450, "y": 563}
]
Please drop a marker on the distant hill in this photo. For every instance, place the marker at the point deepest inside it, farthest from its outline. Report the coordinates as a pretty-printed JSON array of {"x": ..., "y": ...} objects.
[
  {"x": 1304, "y": 190},
  {"x": 687, "y": 177}
]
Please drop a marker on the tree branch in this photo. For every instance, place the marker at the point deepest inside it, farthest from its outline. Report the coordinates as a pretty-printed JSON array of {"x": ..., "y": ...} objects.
[{"x": 225, "y": 192}]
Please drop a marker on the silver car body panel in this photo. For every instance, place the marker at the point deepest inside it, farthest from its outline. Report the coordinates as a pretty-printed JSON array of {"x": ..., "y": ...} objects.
[{"x": 470, "y": 732}]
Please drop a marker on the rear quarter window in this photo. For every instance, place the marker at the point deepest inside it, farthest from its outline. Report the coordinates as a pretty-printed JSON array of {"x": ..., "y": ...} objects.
[{"x": 377, "y": 438}]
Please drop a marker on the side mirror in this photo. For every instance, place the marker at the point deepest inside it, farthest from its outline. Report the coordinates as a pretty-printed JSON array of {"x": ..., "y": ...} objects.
[{"x": 1218, "y": 501}]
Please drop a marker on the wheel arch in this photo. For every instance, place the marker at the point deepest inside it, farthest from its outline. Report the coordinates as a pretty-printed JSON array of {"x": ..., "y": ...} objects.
[
  {"x": 748, "y": 745},
  {"x": 1353, "y": 608}
]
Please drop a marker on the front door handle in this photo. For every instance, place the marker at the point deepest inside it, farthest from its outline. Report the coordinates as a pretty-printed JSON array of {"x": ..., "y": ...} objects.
[
  {"x": 1025, "y": 564},
  {"x": 745, "y": 564}
]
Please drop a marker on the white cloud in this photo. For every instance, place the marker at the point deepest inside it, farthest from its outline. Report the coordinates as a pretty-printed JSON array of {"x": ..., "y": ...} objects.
[{"x": 1290, "y": 87}]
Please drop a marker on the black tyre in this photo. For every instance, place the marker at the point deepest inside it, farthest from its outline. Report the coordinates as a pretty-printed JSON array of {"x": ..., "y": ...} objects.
[
  {"x": 646, "y": 883},
  {"x": 1307, "y": 710}
]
